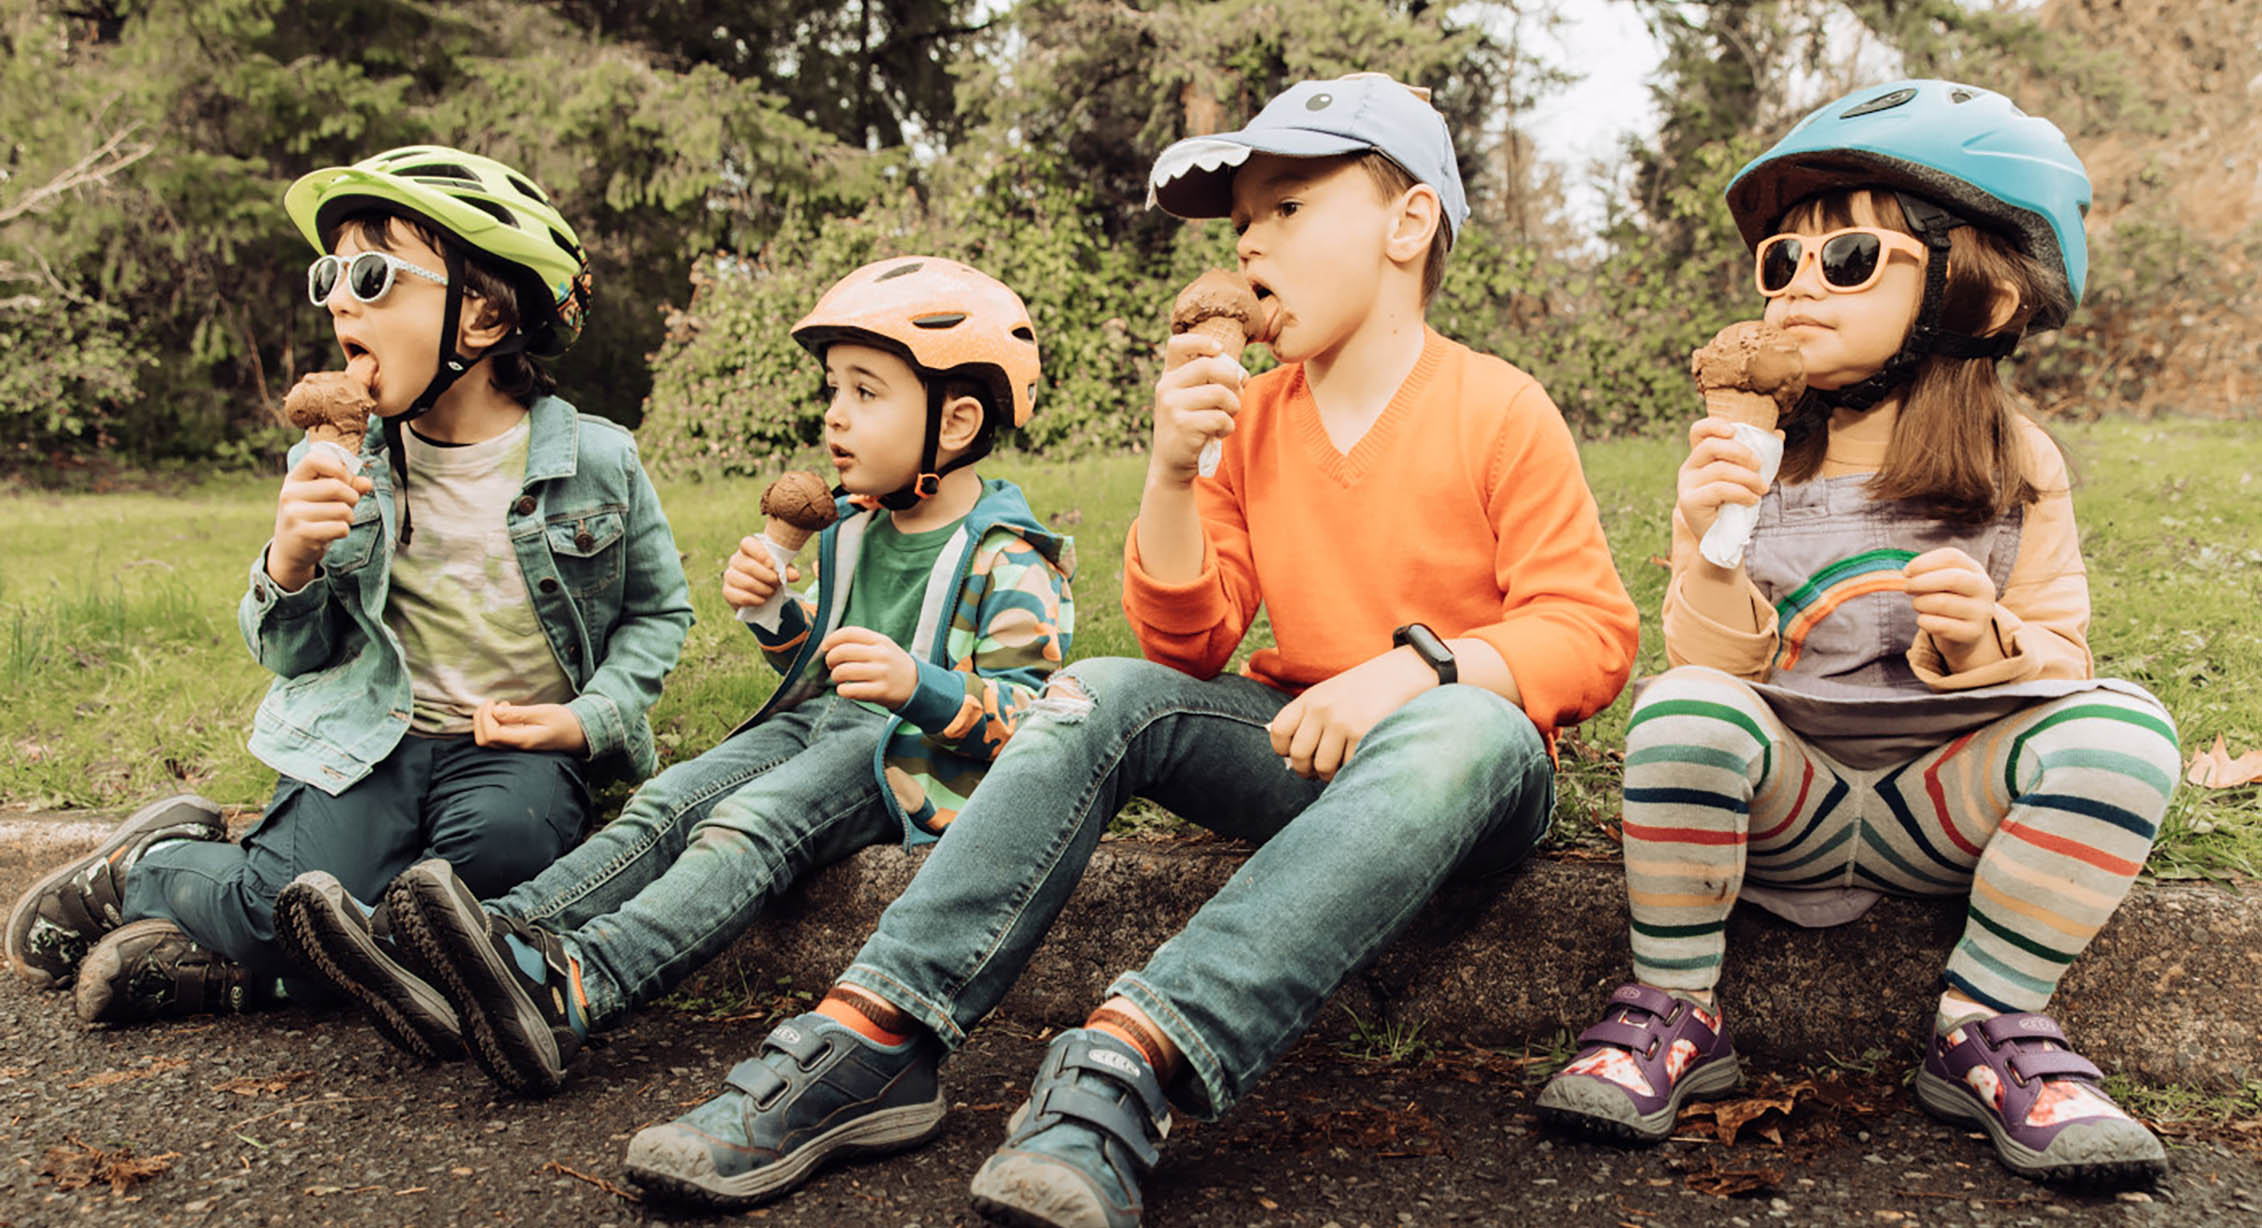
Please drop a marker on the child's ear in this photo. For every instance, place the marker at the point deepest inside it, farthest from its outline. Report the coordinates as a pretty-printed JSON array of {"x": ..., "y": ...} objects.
[
  {"x": 1413, "y": 224},
  {"x": 2002, "y": 308},
  {"x": 961, "y": 423},
  {"x": 482, "y": 326}
]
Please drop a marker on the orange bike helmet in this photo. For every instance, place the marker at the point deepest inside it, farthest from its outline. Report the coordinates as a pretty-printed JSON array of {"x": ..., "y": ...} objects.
[{"x": 947, "y": 319}]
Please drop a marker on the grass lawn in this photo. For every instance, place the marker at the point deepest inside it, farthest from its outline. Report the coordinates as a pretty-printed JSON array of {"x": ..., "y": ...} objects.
[{"x": 125, "y": 676}]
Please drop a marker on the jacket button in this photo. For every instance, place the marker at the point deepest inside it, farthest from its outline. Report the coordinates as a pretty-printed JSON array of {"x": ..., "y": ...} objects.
[
  {"x": 549, "y": 584},
  {"x": 583, "y": 540},
  {"x": 573, "y": 654},
  {"x": 524, "y": 506}
]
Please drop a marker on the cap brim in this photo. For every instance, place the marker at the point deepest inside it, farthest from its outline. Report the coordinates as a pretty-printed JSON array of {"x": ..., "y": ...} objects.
[{"x": 1194, "y": 177}]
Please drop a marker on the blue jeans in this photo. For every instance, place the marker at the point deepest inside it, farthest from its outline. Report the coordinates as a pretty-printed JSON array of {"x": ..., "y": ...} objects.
[
  {"x": 1456, "y": 780},
  {"x": 497, "y": 815},
  {"x": 703, "y": 846}
]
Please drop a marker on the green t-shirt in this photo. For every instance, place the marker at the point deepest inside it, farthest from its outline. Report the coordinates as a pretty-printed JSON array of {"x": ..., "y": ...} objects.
[{"x": 891, "y": 578}]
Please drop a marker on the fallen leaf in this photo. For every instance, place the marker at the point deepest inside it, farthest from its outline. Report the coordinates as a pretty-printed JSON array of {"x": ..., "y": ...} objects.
[
  {"x": 253, "y": 1085},
  {"x": 2214, "y": 768},
  {"x": 78, "y": 1166},
  {"x": 107, "y": 1078},
  {"x": 1729, "y": 1117},
  {"x": 1727, "y": 1183}
]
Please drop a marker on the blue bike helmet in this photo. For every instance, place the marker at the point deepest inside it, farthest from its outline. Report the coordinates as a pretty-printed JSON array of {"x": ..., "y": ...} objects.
[{"x": 1954, "y": 155}]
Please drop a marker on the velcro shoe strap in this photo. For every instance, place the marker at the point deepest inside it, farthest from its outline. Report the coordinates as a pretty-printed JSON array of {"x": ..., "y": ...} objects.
[
  {"x": 2030, "y": 1064},
  {"x": 755, "y": 1078},
  {"x": 797, "y": 1037},
  {"x": 1115, "y": 1062},
  {"x": 2021, "y": 1025},
  {"x": 1634, "y": 1036},
  {"x": 1101, "y": 1113},
  {"x": 1656, "y": 1002}
]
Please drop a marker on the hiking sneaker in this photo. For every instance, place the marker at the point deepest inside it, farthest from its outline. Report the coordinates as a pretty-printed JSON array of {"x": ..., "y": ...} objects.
[
  {"x": 1651, "y": 1053},
  {"x": 515, "y": 989},
  {"x": 149, "y": 969},
  {"x": 1075, "y": 1152},
  {"x": 2015, "y": 1077},
  {"x": 814, "y": 1092},
  {"x": 64, "y": 914},
  {"x": 336, "y": 939}
]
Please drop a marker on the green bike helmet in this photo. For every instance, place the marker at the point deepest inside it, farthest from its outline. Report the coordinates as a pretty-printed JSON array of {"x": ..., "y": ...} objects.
[{"x": 490, "y": 208}]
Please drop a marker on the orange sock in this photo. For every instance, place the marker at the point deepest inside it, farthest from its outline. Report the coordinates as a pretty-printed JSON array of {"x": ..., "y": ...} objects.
[
  {"x": 1135, "y": 1032},
  {"x": 870, "y": 1018}
]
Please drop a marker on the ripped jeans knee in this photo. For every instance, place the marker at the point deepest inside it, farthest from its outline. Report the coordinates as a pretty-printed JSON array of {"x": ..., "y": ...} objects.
[{"x": 1065, "y": 698}]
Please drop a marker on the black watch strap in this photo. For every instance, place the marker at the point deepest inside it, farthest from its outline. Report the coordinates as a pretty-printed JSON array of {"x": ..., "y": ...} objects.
[{"x": 1430, "y": 649}]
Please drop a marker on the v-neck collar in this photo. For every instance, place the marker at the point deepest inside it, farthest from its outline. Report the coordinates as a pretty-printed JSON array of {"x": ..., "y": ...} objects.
[{"x": 1346, "y": 469}]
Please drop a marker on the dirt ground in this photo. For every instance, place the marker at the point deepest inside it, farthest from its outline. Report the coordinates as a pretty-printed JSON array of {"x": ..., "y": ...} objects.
[{"x": 297, "y": 1118}]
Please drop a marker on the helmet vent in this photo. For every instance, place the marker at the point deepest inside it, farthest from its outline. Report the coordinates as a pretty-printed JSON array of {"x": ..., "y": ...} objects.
[
  {"x": 940, "y": 319},
  {"x": 567, "y": 244},
  {"x": 1961, "y": 95},
  {"x": 437, "y": 170},
  {"x": 1022, "y": 332},
  {"x": 1883, "y": 102},
  {"x": 499, "y": 213},
  {"x": 527, "y": 188},
  {"x": 904, "y": 270}
]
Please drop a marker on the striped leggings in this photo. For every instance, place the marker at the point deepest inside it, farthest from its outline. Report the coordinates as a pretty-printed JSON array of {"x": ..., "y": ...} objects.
[{"x": 2044, "y": 817}]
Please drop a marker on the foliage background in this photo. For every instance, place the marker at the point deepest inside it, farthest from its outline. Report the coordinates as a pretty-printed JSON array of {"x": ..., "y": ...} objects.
[{"x": 725, "y": 160}]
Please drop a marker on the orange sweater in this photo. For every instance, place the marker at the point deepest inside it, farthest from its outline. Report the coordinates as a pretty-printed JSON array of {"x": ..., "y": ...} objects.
[{"x": 1462, "y": 507}]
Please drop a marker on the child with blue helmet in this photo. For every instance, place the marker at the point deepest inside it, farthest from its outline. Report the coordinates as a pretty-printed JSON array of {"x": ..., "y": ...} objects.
[{"x": 1892, "y": 690}]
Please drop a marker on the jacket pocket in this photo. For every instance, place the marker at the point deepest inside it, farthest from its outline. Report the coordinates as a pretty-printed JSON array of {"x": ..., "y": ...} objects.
[
  {"x": 352, "y": 552},
  {"x": 589, "y": 554}
]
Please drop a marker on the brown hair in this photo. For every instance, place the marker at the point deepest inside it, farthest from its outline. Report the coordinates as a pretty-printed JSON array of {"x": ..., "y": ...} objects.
[
  {"x": 490, "y": 296},
  {"x": 1955, "y": 445},
  {"x": 1393, "y": 180}
]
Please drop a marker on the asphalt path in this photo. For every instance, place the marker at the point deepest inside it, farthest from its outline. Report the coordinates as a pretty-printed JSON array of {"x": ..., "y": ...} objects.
[{"x": 298, "y": 1118}]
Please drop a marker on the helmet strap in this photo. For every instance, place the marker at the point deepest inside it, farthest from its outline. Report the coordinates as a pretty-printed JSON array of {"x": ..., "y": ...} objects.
[
  {"x": 929, "y": 482},
  {"x": 1932, "y": 225},
  {"x": 453, "y": 366}
]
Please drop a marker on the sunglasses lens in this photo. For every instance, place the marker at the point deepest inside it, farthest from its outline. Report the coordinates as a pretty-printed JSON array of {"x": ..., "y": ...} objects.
[
  {"x": 1778, "y": 264},
  {"x": 368, "y": 276},
  {"x": 321, "y": 278},
  {"x": 1850, "y": 260}
]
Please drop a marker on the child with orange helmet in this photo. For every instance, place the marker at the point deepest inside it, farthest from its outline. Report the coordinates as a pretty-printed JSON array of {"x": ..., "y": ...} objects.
[{"x": 942, "y": 606}]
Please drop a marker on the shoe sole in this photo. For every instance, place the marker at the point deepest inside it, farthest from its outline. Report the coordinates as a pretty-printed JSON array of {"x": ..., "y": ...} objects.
[
  {"x": 27, "y": 905},
  {"x": 1028, "y": 1191},
  {"x": 347, "y": 958},
  {"x": 523, "y": 1059},
  {"x": 679, "y": 1163},
  {"x": 1602, "y": 1110},
  {"x": 1949, "y": 1102},
  {"x": 98, "y": 972}
]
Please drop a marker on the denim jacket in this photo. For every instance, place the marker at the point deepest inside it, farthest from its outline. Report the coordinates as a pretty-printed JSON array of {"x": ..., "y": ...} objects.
[
  {"x": 601, "y": 569},
  {"x": 996, "y": 620}
]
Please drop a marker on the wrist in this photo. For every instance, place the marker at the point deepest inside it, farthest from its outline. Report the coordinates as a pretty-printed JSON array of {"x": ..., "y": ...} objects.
[{"x": 1429, "y": 650}]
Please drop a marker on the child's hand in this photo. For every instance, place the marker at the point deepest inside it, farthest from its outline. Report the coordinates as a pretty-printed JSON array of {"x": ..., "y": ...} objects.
[
  {"x": 869, "y": 666},
  {"x": 314, "y": 509},
  {"x": 1195, "y": 400},
  {"x": 752, "y": 576},
  {"x": 528, "y": 727},
  {"x": 1955, "y": 602},
  {"x": 1319, "y": 729},
  {"x": 1719, "y": 470}
]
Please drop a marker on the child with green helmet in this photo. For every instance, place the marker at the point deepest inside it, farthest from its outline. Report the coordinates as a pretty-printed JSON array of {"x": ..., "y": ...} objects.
[
  {"x": 1891, "y": 690},
  {"x": 447, "y": 684}
]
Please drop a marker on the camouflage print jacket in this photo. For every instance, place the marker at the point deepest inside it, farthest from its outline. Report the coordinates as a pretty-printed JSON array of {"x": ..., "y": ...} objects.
[{"x": 996, "y": 621}]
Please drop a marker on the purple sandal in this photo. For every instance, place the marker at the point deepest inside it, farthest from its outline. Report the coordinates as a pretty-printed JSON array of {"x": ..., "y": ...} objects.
[
  {"x": 1670, "y": 1046},
  {"x": 2015, "y": 1077}
]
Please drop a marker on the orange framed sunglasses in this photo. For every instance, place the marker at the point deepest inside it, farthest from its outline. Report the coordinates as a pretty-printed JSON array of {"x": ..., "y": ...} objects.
[{"x": 1851, "y": 259}]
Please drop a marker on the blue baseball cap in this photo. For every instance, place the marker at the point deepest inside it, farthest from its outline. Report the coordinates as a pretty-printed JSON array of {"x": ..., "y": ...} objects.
[{"x": 1317, "y": 119}]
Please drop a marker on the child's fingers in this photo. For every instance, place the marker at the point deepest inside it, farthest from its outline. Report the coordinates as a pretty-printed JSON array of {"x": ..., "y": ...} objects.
[
  {"x": 1282, "y": 727},
  {"x": 1710, "y": 428},
  {"x": 1327, "y": 759},
  {"x": 1720, "y": 450},
  {"x": 1186, "y": 347},
  {"x": 1304, "y": 745}
]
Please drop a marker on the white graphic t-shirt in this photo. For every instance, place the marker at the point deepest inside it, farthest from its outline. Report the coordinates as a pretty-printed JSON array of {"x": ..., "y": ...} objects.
[{"x": 458, "y": 601}]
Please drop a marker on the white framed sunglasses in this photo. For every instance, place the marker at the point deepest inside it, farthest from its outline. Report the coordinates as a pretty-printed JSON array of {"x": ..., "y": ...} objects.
[{"x": 368, "y": 275}]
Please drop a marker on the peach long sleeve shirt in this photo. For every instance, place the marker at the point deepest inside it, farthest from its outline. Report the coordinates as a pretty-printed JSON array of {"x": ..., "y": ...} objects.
[
  {"x": 1462, "y": 507},
  {"x": 2041, "y": 616}
]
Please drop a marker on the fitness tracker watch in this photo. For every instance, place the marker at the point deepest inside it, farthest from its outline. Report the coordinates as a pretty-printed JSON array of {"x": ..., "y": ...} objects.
[{"x": 1430, "y": 649}]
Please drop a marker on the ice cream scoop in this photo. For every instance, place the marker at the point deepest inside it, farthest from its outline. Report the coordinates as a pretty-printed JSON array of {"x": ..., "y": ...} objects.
[
  {"x": 334, "y": 407},
  {"x": 795, "y": 506},
  {"x": 1750, "y": 374},
  {"x": 1223, "y": 305}
]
